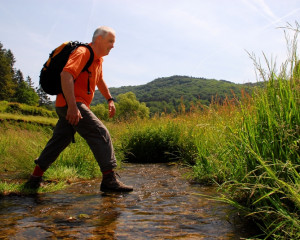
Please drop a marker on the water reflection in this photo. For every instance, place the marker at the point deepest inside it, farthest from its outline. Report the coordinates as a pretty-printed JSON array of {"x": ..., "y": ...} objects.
[{"x": 163, "y": 206}]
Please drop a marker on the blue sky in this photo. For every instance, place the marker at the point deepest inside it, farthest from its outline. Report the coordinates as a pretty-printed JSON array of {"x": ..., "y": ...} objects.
[{"x": 155, "y": 38}]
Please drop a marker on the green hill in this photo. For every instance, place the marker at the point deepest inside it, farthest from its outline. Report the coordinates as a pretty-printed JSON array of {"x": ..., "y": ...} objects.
[{"x": 166, "y": 94}]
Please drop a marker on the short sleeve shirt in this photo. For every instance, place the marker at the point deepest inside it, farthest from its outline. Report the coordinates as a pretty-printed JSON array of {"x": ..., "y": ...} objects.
[{"x": 74, "y": 66}]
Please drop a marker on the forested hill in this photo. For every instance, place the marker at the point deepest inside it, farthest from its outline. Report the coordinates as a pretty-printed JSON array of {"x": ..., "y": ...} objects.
[{"x": 166, "y": 94}]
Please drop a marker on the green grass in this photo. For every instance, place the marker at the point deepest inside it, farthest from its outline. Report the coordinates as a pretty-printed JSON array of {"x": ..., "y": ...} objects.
[
  {"x": 23, "y": 109},
  {"x": 21, "y": 144},
  {"x": 19, "y": 119},
  {"x": 75, "y": 162},
  {"x": 159, "y": 142},
  {"x": 19, "y": 189},
  {"x": 267, "y": 146}
]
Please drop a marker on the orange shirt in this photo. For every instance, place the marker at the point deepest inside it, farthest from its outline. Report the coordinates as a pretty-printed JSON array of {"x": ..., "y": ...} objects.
[{"x": 74, "y": 66}]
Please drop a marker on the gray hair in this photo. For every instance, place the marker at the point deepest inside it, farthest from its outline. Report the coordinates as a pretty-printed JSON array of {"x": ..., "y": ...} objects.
[{"x": 102, "y": 31}]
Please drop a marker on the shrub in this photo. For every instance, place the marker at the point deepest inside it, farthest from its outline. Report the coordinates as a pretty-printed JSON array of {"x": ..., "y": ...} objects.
[{"x": 155, "y": 143}]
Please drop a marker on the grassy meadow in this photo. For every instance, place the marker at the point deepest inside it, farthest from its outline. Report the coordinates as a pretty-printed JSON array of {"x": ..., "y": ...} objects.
[{"x": 249, "y": 147}]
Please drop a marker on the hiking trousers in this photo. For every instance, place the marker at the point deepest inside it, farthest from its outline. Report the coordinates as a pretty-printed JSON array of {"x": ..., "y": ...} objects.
[{"x": 90, "y": 128}]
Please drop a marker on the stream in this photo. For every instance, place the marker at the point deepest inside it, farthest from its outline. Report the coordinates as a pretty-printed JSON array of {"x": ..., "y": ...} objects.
[{"x": 163, "y": 205}]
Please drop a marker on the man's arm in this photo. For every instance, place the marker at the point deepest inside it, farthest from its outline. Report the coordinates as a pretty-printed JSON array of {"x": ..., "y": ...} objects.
[
  {"x": 67, "y": 83},
  {"x": 105, "y": 92}
]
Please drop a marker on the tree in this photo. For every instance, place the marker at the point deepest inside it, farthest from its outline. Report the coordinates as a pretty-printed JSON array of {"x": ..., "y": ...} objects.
[
  {"x": 129, "y": 107},
  {"x": 7, "y": 84},
  {"x": 11, "y": 59},
  {"x": 33, "y": 97},
  {"x": 44, "y": 100},
  {"x": 101, "y": 111},
  {"x": 24, "y": 92},
  {"x": 18, "y": 77},
  {"x": 29, "y": 82}
]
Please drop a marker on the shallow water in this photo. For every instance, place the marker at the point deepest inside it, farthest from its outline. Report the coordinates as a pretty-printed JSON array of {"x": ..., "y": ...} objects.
[{"x": 163, "y": 206}]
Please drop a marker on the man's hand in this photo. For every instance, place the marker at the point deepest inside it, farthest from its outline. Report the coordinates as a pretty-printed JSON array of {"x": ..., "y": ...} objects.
[
  {"x": 67, "y": 84},
  {"x": 73, "y": 115},
  {"x": 111, "y": 109}
]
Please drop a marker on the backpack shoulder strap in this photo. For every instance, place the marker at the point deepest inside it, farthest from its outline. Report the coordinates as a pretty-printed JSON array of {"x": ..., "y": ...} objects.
[
  {"x": 89, "y": 62},
  {"x": 87, "y": 65}
]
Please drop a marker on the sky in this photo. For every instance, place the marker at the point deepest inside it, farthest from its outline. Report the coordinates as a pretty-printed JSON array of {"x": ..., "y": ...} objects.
[{"x": 154, "y": 38}]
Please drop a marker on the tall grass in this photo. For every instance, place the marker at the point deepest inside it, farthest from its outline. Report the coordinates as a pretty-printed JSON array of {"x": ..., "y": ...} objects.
[
  {"x": 267, "y": 147},
  {"x": 21, "y": 144},
  {"x": 157, "y": 141}
]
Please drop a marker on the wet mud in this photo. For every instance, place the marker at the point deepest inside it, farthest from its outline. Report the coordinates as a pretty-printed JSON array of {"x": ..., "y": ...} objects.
[{"x": 163, "y": 205}]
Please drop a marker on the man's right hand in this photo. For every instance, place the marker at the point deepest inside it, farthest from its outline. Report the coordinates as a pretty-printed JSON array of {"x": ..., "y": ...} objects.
[
  {"x": 67, "y": 83},
  {"x": 73, "y": 115}
]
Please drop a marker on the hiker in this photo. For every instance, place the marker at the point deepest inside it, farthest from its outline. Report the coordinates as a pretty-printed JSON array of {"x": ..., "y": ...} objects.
[{"x": 72, "y": 107}]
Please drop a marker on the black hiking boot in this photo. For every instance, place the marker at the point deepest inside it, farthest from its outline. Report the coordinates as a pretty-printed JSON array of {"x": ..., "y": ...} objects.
[
  {"x": 33, "y": 182},
  {"x": 110, "y": 183}
]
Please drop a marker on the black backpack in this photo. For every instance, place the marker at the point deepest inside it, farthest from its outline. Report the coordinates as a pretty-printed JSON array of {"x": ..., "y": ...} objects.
[{"x": 50, "y": 73}]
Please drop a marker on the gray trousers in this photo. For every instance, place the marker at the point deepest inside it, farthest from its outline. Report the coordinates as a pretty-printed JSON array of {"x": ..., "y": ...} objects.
[{"x": 90, "y": 128}]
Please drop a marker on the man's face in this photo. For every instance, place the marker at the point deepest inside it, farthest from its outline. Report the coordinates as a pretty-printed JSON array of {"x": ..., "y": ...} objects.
[{"x": 106, "y": 44}]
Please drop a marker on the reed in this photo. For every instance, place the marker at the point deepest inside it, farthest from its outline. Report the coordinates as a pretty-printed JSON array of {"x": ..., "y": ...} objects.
[{"x": 266, "y": 145}]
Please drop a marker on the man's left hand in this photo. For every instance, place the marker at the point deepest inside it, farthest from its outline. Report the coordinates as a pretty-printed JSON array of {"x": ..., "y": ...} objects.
[{"x": 111, "y": 109}]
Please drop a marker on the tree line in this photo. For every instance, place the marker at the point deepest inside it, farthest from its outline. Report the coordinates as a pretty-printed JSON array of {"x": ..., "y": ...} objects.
[
  {"x": 169, "y": 94},
  {"x": 14, "y": 87}
]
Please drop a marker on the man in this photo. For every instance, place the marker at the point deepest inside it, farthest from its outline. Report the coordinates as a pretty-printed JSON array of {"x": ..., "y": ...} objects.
[{"x": 74, "y": 114}]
